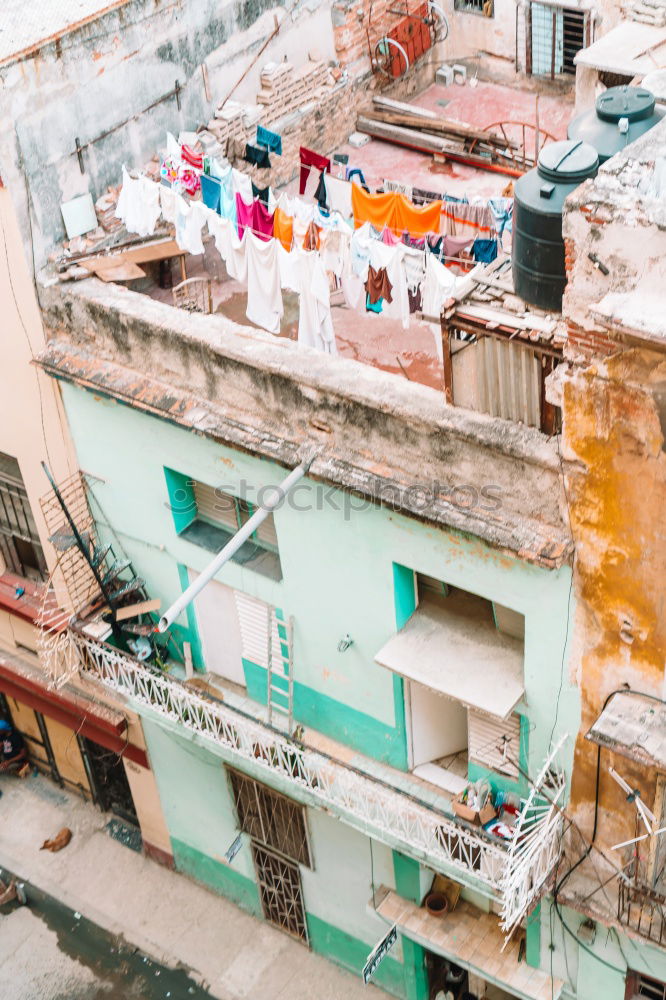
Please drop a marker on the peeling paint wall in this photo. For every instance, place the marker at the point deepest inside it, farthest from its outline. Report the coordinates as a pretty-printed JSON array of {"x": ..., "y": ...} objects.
[
  {"x": 110, "y": 71},
  {"x": 616, "y": 481},
  {"x": 615, "y": 458}
]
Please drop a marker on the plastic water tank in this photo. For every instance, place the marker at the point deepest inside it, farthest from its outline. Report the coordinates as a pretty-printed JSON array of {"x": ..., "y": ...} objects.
[
  {"x": 621, "y": 115},
  {"x": 538, "y": 248}
]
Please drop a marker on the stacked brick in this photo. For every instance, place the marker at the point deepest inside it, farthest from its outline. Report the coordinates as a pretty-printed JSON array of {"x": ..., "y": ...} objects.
[
  {"x": 284, "y": 89},
  {"x": 355, "y": 23},
  {"x": 647, "y": 11}
]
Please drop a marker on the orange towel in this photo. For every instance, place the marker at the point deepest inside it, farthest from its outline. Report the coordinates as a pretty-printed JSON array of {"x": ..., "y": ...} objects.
[
  {"x": 283, "y": 228},
  {"x": 417, "y": 221},
  {"x": 375, "y": 208},
  {"x": 394, "y": 210}
]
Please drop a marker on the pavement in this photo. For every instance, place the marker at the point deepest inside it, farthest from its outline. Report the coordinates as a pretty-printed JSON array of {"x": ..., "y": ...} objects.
[{"x": 157, "y": 911}]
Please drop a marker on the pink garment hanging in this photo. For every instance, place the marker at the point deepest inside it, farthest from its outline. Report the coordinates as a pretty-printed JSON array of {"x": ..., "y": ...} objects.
[
  {"x": 389, "y": 238},
  {"x": 255, "y": 217}
]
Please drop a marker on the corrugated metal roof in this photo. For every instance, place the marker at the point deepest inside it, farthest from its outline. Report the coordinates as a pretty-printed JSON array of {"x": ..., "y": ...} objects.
[
  {"x": 634, "y": 726},
  {"x": 25, "y": 27}
]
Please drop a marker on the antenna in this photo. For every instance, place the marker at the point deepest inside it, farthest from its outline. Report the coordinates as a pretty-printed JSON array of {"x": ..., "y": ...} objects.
[{"x": 634, "y": 795}]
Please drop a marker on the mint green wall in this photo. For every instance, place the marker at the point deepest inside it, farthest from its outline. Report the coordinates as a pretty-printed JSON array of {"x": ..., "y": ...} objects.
[
  {"x": 598, "y": 970},
  {"x": 337, "y": 892},
  {"x": 338, "y": 575}
]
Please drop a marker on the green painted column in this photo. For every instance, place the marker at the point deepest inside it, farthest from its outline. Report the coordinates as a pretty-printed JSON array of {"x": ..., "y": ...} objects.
[
  {"x": 533, "y": 938},
  {"x": 407, "y": 885}
]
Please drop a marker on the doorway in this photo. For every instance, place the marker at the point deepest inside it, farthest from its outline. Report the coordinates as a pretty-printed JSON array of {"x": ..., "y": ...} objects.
[
  {"x": 219, "y": 630},
  {"x": 280, "y": 891},
  {"x": 108, "y": 780}
]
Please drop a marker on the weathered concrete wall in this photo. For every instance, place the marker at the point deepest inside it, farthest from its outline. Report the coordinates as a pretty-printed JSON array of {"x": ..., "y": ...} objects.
[
  {"x": 619, "y": 218},
  {"x": 103, "y": 76},
  {"x": 266, "y": 395},
  {"x": 616, "y": 484},
  {"x": 613, "y": 449}
]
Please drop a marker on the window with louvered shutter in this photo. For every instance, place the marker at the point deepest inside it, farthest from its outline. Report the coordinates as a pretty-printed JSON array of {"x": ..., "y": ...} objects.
[
  {"x": 253, "y": 616},
  {"x": 495, "y": 743},
  {"x": 215, "y": 506},
  {"x": 231, "y": 512}
]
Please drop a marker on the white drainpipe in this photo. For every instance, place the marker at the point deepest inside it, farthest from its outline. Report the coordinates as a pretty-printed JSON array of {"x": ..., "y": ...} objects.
[{"x": 233, "y": 545}]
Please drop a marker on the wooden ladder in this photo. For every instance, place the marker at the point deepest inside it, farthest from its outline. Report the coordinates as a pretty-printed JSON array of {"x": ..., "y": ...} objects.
[{"x": 280, "y": 692}]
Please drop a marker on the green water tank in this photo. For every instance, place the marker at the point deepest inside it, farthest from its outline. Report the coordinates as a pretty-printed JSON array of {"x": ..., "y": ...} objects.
[{"x": 620, "y": 116}]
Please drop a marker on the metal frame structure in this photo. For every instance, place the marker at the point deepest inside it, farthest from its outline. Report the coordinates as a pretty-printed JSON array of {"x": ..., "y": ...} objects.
[
  {"x": 536, "y": 844},
  {"x": 514, "y": 874}
]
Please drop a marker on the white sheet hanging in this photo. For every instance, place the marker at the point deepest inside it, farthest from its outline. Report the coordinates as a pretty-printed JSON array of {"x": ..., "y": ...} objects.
[
  {"x": 303, "y": 272},
  {"x": 437, "y": 287},
  {"x": 264, "y": 291}
]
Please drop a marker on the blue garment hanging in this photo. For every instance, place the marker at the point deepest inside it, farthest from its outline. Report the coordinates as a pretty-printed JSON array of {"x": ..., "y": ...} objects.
[
  {"x": 484, "y": 251},
  {"x": 271, "y": 140}
]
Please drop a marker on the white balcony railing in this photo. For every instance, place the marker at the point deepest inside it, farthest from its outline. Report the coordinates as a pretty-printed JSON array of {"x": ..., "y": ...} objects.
[{"x": 370, "y": 805}]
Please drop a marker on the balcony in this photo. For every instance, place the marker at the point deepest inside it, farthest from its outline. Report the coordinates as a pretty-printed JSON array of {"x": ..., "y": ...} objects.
[{"x": 512, "y": 873}]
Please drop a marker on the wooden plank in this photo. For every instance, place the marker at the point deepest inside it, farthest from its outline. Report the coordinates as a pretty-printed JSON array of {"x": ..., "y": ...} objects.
[
  {"x": 391, "y": 105},
  {"x": 115, "y": 272},
  {"x": 132, "y": 610},
  {"x": 447, "y": 363},
  {"x": 67, "y": 755},
  {"x": 444, "y": 125}
]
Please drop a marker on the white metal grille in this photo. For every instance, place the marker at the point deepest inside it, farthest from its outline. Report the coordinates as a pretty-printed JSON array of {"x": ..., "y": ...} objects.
[
  {"x": 515, "y": 876},
  {"x": 495, "y": 743}
]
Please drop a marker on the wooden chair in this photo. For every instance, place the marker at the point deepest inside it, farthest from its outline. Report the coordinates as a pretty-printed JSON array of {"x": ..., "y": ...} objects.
[{"x": 193, "y": 294}]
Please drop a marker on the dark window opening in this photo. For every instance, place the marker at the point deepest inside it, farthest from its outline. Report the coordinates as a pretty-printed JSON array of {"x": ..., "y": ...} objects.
[
  {"x": 20, "y": 547},
  {"x": 484, "y": 7},
  {"x": 573, "y": 31}
]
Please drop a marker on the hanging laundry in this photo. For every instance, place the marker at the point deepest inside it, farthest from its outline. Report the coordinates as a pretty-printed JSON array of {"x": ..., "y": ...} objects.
[
  {"x": 405, "y": 189},
  {"x": 484, "y": 251},
  {"x": 392, "y": 209},
  {"x": 320, "y": 194},
  {"x": 437, "y": 288},
  {"x": 414, "y": 261},
  {"x": 453, "y": 246},
  {"x": 190, "y": 219},
  {"x": 417, "y": 221},
  {"x": 168, "y": 203},
  {"x": 228, "y": 245},
  {"x": 254, "y": 216},
  {"x": 271, "y": 140},
  {"x": 502, "y": 209},
  {"x": 211, "y": 192},
  {"x": 311, "y": 241},
  {"x": 311, "y": 159},
  {"x": 138, "y": 204},
  {"x": 257, "y": 157},
  {"x": 378, "y": 286},
  {"x": 422, "y": 197},
  {"x": 263, "y": 194},
  {"x": 333, "y": 249},
  {"x": 302, "y": 215},
  {"x": 283, "y": 228},
  {"x": 224, "y": 176},
  {"x": 264, "y": 290},
  {"x": 189, "y": 156},
  {"x": 339, "y": 196},
  {"x": 391, "y": 259},
  {"x": 351, "y": 172},
  {"x": 304, "y": 274},
  {"x": 387, "y": 236},
  {"x": 241, "y": 184},
  {"x": 375, "y": 208},
  {"x": 464, "y": 219}
]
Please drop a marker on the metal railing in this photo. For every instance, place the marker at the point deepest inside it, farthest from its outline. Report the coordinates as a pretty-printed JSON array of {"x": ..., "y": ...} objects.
[
  {"x": 642, "y": 910},
  {"x": 365, "y": 802}
]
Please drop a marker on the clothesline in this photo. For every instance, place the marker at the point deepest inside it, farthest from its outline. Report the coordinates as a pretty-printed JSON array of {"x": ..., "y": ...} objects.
[{"x": 375, "y": 274}]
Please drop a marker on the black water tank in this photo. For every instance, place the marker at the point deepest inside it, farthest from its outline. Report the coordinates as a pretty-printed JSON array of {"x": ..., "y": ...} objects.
[
  {"x": 538, "y": 248},
  {"x": 621, "y": 115}
]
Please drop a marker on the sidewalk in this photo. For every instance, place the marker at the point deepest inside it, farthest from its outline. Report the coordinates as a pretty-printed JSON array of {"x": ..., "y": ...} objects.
[{"x": 172, "y": 919}]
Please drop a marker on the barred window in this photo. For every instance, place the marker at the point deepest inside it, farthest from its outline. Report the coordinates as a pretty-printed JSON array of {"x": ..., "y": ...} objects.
[
  {"x": 270, "y": 818},
  {"x": 20, "y": 546},
  {"x": 484, "y": 7}
]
